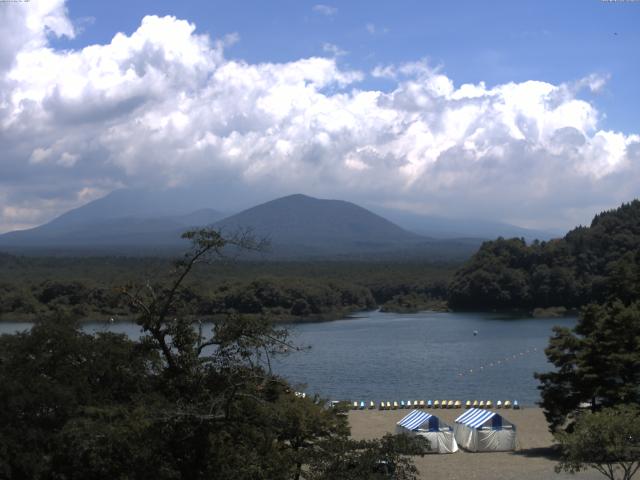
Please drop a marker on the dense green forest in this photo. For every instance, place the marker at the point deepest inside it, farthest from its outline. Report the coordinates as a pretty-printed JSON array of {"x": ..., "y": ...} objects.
[
  {"x": 590, "y": 264},
  {"x": 91, "y": 288}
]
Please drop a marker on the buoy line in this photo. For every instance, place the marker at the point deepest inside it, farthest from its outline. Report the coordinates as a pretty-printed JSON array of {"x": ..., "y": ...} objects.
[{"x": 498, "y": 363}]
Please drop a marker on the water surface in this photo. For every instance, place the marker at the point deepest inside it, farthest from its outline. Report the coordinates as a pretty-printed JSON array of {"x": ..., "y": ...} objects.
[{"x": 387, "y": 356}]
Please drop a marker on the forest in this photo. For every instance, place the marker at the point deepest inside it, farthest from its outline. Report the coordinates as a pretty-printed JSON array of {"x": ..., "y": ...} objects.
[
  {"x": 589, "y": 264},
  {"x": 91, "y": 288}
]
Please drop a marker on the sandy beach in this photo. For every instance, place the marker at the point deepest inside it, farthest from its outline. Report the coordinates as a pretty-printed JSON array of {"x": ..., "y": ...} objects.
[{"x": 533, "y": 459}]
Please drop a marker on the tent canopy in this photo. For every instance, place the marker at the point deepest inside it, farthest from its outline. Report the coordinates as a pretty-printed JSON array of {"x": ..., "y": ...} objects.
[
  {"x": 417, "y": 419},
  {"x": 423, "y": 424},
  {"x": 478, "y": 418}
]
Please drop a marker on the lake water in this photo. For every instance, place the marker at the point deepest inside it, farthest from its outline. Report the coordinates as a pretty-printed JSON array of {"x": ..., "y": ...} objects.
[{"x": 387, "y": 356}]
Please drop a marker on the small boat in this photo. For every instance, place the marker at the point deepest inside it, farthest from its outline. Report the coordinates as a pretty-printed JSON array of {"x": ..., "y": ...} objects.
[{"x": 475, "y": 333}]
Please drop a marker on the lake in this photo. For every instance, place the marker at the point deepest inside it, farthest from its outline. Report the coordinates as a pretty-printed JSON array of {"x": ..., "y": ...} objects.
[{"x": 388, "y": 356}]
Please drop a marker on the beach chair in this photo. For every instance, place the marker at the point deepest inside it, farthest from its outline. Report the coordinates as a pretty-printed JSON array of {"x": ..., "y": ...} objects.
[
  {"x": 395, "y": 405},
  {"x": 362, "y": 405},
  {"x": 429, "y": 404},
  {"x": 507, "y": 404},
  {"x": 443, "y": 404},
  {"x": 499, "y": 404},
  {"x": 355, "y": 405},
  {"x": 388, "y": 405},
  {"x": 450, "y": 404},
  {"x": 408, "y": 404},
  {"x": 421, "y": 405},
  {"x": 481, "y": 404},
  {"x": 457, "y": 404},
  {"x": 372, "y": 405},
  {"x": 436, "y": 404},
  {"x": 475, "y": 404},
  {"x": 516, "y": 406},
  {"x": 489, "y": 404},
  {"x": 402, "y": 404},
  {"x": 382, "y": 406},
  {"x": 467, "y": 404}
]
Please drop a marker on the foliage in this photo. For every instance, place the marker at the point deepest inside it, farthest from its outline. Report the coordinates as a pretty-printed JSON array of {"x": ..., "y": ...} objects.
[
  {"x": 88, "y": 288},
  {"x": 608, "y": 441},
  {"x": 594, "y": 264},
  {"x": 369, "y": 459},
  {"x": 180, "y": 402},
  {"x": 596, "y": 362}
]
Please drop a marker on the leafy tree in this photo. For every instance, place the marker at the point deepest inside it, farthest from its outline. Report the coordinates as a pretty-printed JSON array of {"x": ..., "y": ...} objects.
[
  {"x": 608, "y": 441},
  {"x": 378, "y": 459},
  {"x": 181, "y": 402},
  {"x": 597, "y": 362},
  {"x": 598, "y": 263}
]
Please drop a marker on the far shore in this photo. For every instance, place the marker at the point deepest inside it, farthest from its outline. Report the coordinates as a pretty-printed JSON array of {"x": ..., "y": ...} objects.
[{"x": 535, "y": 458}]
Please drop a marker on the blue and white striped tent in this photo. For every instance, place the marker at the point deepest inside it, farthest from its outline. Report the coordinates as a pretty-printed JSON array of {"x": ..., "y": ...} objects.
[
  {"x": 424, "y": 424},
  {"x": 479, "y": 430}
]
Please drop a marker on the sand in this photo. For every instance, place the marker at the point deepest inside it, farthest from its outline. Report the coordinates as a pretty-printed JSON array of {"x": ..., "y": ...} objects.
[{"x": 534, "y": 458}]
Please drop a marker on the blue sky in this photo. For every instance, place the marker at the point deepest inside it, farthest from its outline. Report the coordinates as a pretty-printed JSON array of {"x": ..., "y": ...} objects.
[
  {"x": 525, "y": 112},
  {"x": 493, "y": 41}
]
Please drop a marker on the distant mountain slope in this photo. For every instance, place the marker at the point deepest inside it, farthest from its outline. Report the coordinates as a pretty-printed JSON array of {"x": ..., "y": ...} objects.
[
  {"x": 85, "y": 232},
  {"x": 326, "y": 224},
  {"x": 442, "y": 227},
  {"x": 134, "y": 222}
]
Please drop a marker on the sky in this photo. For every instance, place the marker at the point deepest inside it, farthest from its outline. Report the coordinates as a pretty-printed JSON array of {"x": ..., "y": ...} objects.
[{"x": 523, "y": 112}]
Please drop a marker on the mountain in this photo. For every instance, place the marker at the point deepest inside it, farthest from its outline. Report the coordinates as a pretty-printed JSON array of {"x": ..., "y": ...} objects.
[
  {"x": 96, "y": 229},
  {"x": 299, "y": 219},
  {"x": 442, "y": 227},
  {"x": 298, "y": 226},
  {"x": 302, "y": 226}
]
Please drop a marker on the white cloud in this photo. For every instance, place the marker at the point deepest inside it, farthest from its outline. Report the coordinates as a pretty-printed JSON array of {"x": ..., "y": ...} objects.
[
  {"x": 327, "y": 10},
  {"x": 163, "y": 106}
]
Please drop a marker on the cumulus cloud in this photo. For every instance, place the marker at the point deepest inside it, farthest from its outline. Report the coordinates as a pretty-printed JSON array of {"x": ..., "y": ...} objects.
[{"x": 163, "y": 106}]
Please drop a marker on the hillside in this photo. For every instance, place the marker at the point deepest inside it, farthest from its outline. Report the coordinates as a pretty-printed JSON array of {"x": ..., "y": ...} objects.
[
  {"x": 132, "y": 223},
  {"x": 336, "y": 225},
  {"x": 589, "y": 264}
]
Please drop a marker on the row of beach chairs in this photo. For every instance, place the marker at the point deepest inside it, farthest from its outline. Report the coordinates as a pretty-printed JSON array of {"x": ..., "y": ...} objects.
[{"x": 395, "y": 405}]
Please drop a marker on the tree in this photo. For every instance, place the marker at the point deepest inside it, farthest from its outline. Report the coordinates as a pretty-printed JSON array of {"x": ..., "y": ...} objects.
[
  {"x": 608, "y": 441},
  {"x": 181, "y": 402},
  {"x": 384, "y": 458},
  {"x": 597, "y": 362}
]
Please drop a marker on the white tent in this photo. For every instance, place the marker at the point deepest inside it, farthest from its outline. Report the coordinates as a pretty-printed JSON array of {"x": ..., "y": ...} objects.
[
  {"x": 423, "y": 424},
  {"x": 480, "y": 430}
]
